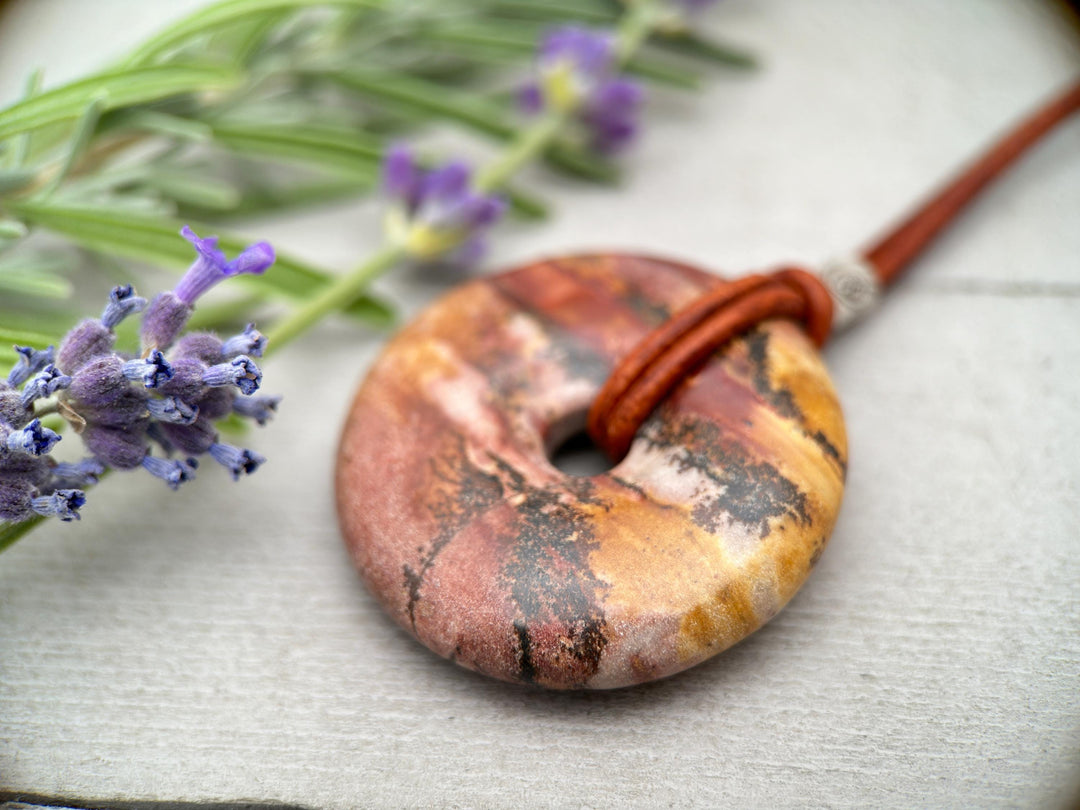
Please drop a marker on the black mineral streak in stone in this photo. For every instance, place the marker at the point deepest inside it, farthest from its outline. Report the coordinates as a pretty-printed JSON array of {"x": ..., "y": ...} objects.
[
  {"x": 465, "y": 492},
  {"x": 752, "y": 492},
  {"x": 549, "y": 579},
  {"x": 525, "y": 664},
  {"x": 830, "y": 450},
  {"x": 757, "y": 342}
]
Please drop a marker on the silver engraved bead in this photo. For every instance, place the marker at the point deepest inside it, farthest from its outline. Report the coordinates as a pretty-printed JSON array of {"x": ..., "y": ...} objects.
[{"x": 854, "y": 287}]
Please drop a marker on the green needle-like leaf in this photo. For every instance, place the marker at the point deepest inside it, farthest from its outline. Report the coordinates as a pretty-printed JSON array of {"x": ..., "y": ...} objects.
[
  {"x": 334, "y": 148},
  {"x": 518, "y": 40},
  {"x": 693, "y": 45},
  {"x": 220, "y": 15},
  {"x": 22, "y": 337},
  {"x": 429, "y": 99},
  {"x": 121, "y": 232},
  {"x": 117, "y": 89}
]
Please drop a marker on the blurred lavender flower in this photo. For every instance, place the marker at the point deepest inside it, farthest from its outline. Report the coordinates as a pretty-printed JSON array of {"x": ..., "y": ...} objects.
[
  {"x": 436, "y": 214},
  {"x": 576, "y": 74},
  {"x": 123, "y": 406}
]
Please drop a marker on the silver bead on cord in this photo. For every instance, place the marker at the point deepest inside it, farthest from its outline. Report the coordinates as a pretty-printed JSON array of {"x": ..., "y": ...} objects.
[{"x": 854, "y": 287}]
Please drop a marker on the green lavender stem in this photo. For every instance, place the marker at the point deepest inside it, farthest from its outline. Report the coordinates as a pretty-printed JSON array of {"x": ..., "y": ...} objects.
[
  {"x": 338, "y": 295},
  {"x": 532, "y": 141}
]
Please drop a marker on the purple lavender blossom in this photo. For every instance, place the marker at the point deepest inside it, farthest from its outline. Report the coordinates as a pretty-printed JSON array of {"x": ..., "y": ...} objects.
[
  {"x": 436, "y": 214},
  {"x": 169, "y": 311},
  {"x": 577, "y": 75},
  {"x": 123, "y": 405}
]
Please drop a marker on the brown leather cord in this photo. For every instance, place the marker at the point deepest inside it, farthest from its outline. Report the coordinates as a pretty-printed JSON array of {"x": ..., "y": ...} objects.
[
  {"x": 901, "y": 245},
  {"x": 676, "y": 348}
]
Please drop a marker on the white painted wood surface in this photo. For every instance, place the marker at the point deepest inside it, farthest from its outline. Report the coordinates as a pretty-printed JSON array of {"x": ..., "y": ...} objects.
[{"x": 216, "y": 645}]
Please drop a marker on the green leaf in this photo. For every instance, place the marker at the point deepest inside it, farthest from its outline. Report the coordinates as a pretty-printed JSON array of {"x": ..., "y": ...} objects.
[
  {"x": 120, "y": 232},
  {"x": 16, "y": 179},
  {"x": 172, "y": 126},
  {"x": 429, "y": 99},
  {"x": 525, "y": 205},
  {"x": 689, "y": 44},
  {"x": 207, "y": 192},
  {"x": 39, "y": 284},
  {"x": 11, "y": 229},
  {"x": 556, "y": 12},
  {"x": 270, "y": 199},
  {"x": 337, "y": 149},
  {"x": 119, "y": 89},
  {"x": 223, "y": 14},
  {"x": 22, "y": 337},
  {"x": 80, "y": 139}
]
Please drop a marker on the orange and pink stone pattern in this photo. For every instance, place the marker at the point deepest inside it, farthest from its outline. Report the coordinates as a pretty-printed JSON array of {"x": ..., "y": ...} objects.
[{"x": 492, "y": 557}]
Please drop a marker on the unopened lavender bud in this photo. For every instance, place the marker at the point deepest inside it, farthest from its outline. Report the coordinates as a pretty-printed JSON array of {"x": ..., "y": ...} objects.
[
  {"x": 236, "y": 460},
  {"x": 33, "y": 440},
  {"x": 122, "y": 302},
  {"x": 171, "y": 409},
  {"x": 31, "y": 361},
  {"x": 240, "y": 371},
  {"x": 80, "y": 474},
  {"x": 261, "y": 409},
  {"x": 172, "y": 471},
  {"x": 250, "y": 342},
  {"x": 152, "y": 371},
  {"x": 63, "y": 504},
  {"x": 44, "y": 384}
]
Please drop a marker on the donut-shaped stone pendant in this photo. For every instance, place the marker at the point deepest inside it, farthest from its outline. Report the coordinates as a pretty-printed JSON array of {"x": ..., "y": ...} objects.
[{"x": 476, "y": 544}]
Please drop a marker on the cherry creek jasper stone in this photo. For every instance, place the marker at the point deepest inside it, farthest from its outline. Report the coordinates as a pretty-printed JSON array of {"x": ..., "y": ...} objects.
[{"x": 492, "y": 557}]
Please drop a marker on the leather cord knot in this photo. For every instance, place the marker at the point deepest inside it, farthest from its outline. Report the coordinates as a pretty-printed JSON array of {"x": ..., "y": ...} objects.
[{"x": 679, "y": 346}]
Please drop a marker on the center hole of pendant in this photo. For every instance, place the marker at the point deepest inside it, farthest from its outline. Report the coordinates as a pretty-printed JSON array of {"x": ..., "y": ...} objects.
[{"x": 577, "y": 455}]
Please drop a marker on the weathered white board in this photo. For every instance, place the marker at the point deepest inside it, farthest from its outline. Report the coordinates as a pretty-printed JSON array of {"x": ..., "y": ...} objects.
[{"x": 216, "y": 645}]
